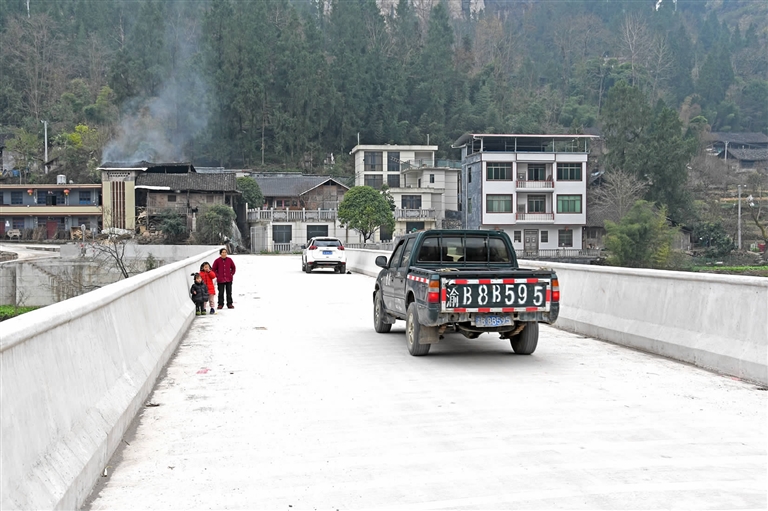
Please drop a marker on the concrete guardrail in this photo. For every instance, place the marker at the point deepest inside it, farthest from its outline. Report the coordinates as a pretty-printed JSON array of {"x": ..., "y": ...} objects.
[
  {"x": 717, "y": 322},
  {"x": 73, "y": 376}
]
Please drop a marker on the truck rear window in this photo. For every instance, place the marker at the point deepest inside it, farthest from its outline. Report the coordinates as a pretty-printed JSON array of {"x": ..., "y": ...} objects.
[{"x": 461, "y": 249}]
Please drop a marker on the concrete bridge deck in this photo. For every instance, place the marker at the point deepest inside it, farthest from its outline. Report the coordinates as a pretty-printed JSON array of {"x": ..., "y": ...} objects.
[{"x": 292, "y": 401}]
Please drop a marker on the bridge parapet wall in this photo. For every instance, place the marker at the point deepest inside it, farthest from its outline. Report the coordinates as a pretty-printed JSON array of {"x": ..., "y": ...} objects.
[
  {"x": 75, "y": 374},
  {"x": 717, "y": 322}
]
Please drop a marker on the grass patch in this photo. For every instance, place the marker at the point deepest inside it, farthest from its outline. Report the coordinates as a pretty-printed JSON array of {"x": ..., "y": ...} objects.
[{"x": 9, "y": 311}]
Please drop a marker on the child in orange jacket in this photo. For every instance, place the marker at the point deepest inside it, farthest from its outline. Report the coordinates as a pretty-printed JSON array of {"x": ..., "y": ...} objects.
[{"x": 207, "y": 275}]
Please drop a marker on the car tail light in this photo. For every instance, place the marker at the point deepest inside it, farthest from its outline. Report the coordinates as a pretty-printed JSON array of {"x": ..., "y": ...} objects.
[
  {"x": 433, "y": 291},
  {"x": 313, "y": 247},
  {"x": 555, "y": 290},
  {"x": 340, "y": 247}
]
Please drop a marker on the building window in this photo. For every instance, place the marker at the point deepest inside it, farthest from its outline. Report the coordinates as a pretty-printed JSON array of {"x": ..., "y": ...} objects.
[
  {"x": 171, "y": 198},
  {"x": 498, "y": 171},
  {"x": 84, "y": 197},
  {"x": 411, "y": 202},
  {"x": 374, "y": 181},
  {"x": 544, "y": 236},
  {"x": 414, "y": 226},
  {"x": 372, "y": 162},
  {"x": 431, "y": 178},
  {"x": 42, "y": 196},
  {"x": 536, "y": 172},
  {"x": 469, "y": 174},
  {"x": 498, "y": 204},
  {"x": 569, "y": 171},
  {"x": 565, "y": 238},
  {"x": 281, "y": 234},
  {"x": 569, "y": 203},
  {"x": 393, "y": 180},
  {"x": 316, "y": 230},
  {"x": 393, "y": 162},
  {"x": 537, "y": 204},
  {"x": 17, "y": 223},
  {"x": 60, "y": 198},
  {"x": 518, "y": 236},
  {"x": 83, "y": 220},
  {"x": 469, "y": 204},
  {"x": 17, "y": 198}
]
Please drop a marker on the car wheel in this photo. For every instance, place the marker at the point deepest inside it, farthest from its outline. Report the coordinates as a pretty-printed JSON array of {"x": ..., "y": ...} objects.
[
  {"x": 378, "y": 315},
  {"x": 303, "y": 265},
  {"x": 413, "y": 331},
  {"x": 343, "y": 269},
  {"x": 308, "y": 267},
  {"x": 526, "y": 341}
]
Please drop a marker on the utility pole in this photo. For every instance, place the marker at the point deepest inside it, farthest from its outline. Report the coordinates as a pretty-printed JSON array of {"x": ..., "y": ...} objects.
[
  {"x": 739, "y": 244},
  {"x": 45, "y": 163}
]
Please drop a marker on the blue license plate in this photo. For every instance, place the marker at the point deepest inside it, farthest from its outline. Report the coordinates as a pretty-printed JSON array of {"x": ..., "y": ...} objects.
[
  {"x": 491, "y": 321},
  {"x": 327, "y": 252}
]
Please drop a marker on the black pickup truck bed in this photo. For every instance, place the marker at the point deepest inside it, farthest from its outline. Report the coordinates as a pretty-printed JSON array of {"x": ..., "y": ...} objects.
[{"x": 464, "y": 281}]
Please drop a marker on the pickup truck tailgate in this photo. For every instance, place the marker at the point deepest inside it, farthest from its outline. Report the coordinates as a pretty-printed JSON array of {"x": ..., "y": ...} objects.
[{"x": 496, "y": 295}]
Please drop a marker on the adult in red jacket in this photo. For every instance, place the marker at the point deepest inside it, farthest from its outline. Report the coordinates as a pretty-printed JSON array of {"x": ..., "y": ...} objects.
[{"x": 224, "y": 268}]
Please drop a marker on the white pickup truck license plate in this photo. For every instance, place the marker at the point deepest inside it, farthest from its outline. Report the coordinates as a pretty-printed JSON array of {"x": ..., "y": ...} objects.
[
  {"x": 488, "y": 320},
  {"x": 327, "y": 252}
]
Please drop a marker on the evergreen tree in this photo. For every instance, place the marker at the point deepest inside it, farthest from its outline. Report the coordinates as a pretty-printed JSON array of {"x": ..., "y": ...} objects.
[{"x": 626, "y": 120}]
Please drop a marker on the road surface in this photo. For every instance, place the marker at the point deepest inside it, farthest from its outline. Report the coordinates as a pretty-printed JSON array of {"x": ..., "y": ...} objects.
[{"x": 292, "y": 401}]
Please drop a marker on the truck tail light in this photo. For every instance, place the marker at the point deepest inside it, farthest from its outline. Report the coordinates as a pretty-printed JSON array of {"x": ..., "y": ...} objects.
[
  {"x": 433, "y": 291},
  {"x": 555, "y": 290}
]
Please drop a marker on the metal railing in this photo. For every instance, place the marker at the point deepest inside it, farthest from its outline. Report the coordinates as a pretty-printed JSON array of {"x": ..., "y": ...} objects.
[
  {"x": 535, "y": 184},
  {"x": 372, "y": 246},
  {"x": 290, "y": 215},
  {"x": 558, "y": 252},
  {"x": 415, "y": 213},
  {"x": 535, "y": 217},
  {"x": 429, "y": 163}
]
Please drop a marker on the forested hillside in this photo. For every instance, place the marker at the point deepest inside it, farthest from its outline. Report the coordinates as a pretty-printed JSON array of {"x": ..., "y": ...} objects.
[{"x": 283, "y": 83}]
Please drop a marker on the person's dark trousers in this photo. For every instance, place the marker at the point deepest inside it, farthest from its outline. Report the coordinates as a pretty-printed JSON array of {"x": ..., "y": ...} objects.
[{"x": 222, "y": 287}]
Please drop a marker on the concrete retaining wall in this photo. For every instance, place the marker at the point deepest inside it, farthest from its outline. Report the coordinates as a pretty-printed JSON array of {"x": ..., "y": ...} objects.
[
  {"x": 74, "y": 375},
  {"x": 717, "y": 322}
]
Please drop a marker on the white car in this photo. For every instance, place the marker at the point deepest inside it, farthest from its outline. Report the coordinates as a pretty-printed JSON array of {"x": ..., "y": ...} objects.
[{"x": 324, "y": 252}]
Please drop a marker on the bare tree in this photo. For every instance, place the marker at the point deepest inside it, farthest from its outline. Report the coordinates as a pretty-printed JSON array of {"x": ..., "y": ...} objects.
[
  {"x": 660, "y": 65},
  {"x": 755, "y": 203},
  {"x": 36, "y": 55},
  {"x": 636, "y": 43},
  {"x": 618, "y": 193}
]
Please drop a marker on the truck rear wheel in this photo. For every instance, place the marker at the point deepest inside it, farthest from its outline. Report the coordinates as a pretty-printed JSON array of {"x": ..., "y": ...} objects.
[
  {"x": 526, "y": 341},
  {"x": 378, "y": 315},
  {"x": 413, "y": 332}
]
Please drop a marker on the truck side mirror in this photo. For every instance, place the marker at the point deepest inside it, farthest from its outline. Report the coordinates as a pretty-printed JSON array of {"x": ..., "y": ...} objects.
[
  {"x": 381, "y": 261},
  {"x": 303, "y": 247}
]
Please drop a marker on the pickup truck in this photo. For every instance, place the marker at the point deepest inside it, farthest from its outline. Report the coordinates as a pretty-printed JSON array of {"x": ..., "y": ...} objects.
[{"x": 465, "y": 281}]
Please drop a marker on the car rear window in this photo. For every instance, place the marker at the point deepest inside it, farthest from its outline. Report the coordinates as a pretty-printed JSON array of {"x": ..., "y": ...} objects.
[{"x": 327, "y": 243}]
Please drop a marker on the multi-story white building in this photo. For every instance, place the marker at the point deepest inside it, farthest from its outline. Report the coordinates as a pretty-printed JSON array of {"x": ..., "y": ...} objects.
[
  {"x": 534, "y": 187},
  {"x": 425, "y": 189}
]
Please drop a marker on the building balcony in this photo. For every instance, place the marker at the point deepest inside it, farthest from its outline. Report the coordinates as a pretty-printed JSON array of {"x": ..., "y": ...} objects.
[
  {"x": 409, "y": 165},
  {"x": 43, "y": 210},
  {"x": 411, "y": 214},
  {"x": 535, "y": 217},
  {"x": 292, "y": 215},
  {"x": 536, "y": 185}
]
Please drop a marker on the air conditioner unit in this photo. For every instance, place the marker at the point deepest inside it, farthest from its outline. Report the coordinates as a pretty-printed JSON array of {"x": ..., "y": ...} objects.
[{"x": 61, "y": 179}]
